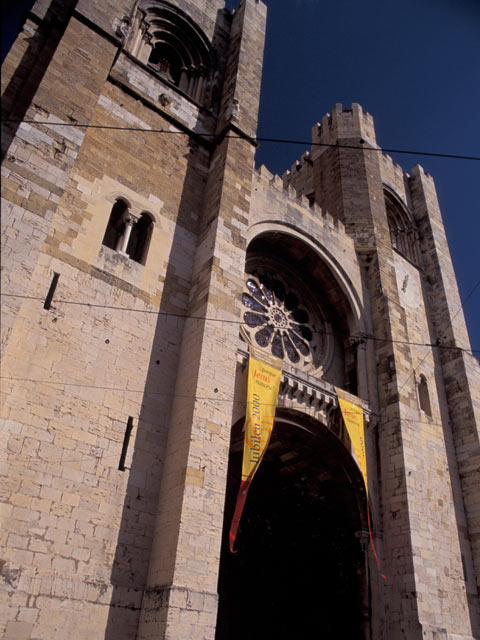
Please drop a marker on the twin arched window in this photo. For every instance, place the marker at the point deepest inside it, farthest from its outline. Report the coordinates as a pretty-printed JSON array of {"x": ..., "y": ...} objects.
[{"x": 127, "y": 233}]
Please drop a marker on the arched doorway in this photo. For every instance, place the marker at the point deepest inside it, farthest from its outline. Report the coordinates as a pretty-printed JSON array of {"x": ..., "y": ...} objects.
[{"x": 299, "y": 570}]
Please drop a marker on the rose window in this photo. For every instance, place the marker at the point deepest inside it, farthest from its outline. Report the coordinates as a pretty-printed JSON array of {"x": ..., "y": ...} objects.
[{"x": 276, "y": 320}]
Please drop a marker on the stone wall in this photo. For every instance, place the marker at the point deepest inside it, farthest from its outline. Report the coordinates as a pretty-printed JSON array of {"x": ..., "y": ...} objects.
[
  {"x": 100, "y": 543},
  {"x": 78, "y": 530}
]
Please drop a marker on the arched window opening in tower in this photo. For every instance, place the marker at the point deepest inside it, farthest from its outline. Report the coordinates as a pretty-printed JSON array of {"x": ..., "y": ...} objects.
[
  {"x": 139, "y": 241},
  {"x": 403, "y": 234},
  {"x": 116, "y": 225},
  {"x": 165, "y": 62},
  {"x": 423, "y": 396},
  {"x": 128, "y": 234},
  {"x": 174, "y": 47}
]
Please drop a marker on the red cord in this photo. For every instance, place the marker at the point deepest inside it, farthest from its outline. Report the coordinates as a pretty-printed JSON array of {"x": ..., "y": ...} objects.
[{"x": 371, "y": 542}]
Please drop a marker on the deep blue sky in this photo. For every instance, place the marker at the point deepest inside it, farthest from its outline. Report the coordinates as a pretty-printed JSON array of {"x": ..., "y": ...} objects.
[{"x": 414, "y": 65}]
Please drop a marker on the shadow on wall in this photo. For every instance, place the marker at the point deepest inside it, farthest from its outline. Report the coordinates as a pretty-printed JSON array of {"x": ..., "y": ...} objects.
[
  {"x": 24, "y": 83},
  {"x": 131, "y": 564},
  {"x": 439, "y": 357},
  {"x": 130, "y": 567}
]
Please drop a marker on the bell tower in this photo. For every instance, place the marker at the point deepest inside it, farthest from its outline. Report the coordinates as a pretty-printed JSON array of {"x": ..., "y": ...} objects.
[
  {"x": 428, "y": 433},
  {"x": 128, "y": 153}
]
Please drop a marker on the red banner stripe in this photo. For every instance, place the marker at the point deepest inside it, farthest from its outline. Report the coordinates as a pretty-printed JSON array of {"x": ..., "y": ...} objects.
[{"x": 242, "y": 496}]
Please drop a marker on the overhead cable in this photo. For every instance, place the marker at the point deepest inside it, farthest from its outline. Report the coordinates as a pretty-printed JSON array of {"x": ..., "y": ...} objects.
[
  {"x": 253, "y": 138},
  {"x": 185, "y": 316}
]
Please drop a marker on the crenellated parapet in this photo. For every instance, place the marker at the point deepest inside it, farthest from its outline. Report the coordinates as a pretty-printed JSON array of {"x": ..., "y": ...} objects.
[
  {"x": 340, "y": 123},
  {"x": 286, "y": 192},
  {"x": 395, "y": 178},
  {"x": 344, "y": 124},
  {"x": 389, "y": 165},
  {"x": 300, "y": 176}
]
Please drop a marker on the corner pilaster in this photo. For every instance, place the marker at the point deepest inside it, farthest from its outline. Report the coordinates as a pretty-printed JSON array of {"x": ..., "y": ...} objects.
[{"x": 180, "y": 600}]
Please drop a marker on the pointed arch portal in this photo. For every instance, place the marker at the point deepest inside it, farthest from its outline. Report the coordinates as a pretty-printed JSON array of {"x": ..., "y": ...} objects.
[{"x": 300, "y": 569}]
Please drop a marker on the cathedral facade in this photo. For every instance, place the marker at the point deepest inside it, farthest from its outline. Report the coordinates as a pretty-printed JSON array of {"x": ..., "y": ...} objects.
[{"x": 142, "y": 253}]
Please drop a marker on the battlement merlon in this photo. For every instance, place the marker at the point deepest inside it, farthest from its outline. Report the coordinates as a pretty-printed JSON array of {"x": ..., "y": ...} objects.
[
  {"x": 353, "y": 123},
  {"x": 295, "y": 197}
]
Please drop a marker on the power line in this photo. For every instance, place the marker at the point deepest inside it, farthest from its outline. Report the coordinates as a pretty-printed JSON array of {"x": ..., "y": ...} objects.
[
  {"x": 186, "y": 316},
  {"x": 466, "y": 300},
  {"x": 145, "y": 392},
  {"x": 254, "y": 139},
  {"x": 102, "y": 458},
  {"x": 460, "y": 308},
  {"x": 119, "y": 389},
  {"x": 87, "y": 456}
]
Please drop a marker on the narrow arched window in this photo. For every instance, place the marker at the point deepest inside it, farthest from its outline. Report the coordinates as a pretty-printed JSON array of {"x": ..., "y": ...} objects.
[
  {"x": 139, "y": 241},
  {"x": 403, "y": 234},
  {"x": 423, "y": 396},
  {"x": 116, "y": 225}
]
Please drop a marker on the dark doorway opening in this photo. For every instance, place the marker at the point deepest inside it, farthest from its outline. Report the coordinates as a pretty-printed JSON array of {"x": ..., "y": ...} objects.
[{"x": 299, "y": 570}]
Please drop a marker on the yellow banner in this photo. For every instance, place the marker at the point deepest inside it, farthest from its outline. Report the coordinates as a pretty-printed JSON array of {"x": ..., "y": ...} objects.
[
  {"x": 263, "y": 384},
  {"x": 353, "y": 417},
  {"x": 264, "y": 374}
]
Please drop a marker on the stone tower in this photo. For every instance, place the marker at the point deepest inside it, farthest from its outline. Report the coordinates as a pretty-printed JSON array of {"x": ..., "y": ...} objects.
[{"x": 142, "y": 252}]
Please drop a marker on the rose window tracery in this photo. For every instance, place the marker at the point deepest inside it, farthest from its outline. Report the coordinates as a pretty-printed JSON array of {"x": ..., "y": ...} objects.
[{"x": 275, "y": 319}]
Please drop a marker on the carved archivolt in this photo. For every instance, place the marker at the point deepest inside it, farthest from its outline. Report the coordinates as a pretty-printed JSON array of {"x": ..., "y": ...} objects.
[{"x": 165, "y": 39}]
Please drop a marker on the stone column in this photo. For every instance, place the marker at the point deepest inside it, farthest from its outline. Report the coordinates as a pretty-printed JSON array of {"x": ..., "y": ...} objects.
[
  {"x": 362, "y": 369},
  {"x": 129, "y": 220},
  {"x": 419, "y": 507}
]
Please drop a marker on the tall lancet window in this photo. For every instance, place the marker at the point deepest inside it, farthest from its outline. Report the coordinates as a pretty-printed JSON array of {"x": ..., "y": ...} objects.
[
  {"x": 403, "y": 233},
  {"x": 116, "y": 225},
  {"x": 424, "y": 396}
]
